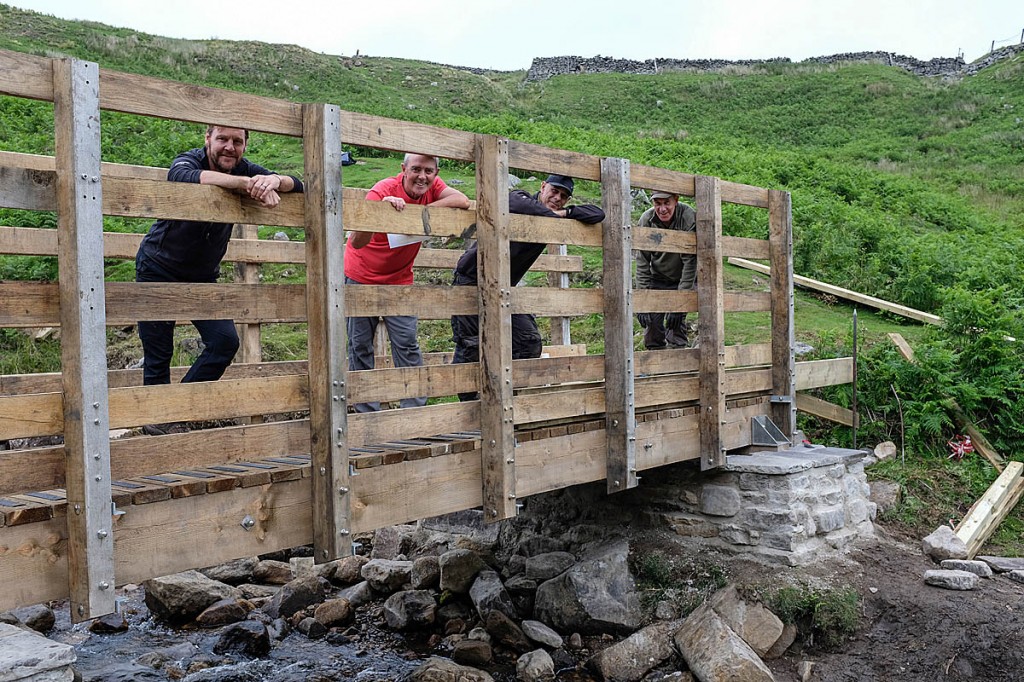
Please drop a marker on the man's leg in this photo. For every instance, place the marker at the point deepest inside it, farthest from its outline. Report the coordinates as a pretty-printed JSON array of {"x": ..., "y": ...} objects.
[
  {"x": 654, "y": 330},
  {"x": 405, "y": 349},
  {"x": 360, "y": 351},
  {"x": 220, "y": 343},
  {"x": 526, "y": 339},
  {"x": 675, "y": 330},
  {"x": 466, "y": 334},
  {"x": 157, "y": 348}
]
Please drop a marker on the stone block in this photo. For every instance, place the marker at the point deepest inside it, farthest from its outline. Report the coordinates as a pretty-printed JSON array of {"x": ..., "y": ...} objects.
[
  {"x": 775, "y": 464},
  {"x": 736, "y": 535},
  {"x": 858, "y": 511},
  {"x": 756, "y": 482},
  {"x": 840, "y": 539},
  {"x": 717, "y": 500},
  {"x": 951, "y": 580},
  {"x": 828, "y": 519},
  {"x": 767, "y": 518},
  {"x": 26, "y": 655},
  {"x": 689, "y": 525}
]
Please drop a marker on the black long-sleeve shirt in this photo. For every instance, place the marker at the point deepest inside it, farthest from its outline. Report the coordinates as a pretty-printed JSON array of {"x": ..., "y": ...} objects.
[{"x": 524, "y": 254}]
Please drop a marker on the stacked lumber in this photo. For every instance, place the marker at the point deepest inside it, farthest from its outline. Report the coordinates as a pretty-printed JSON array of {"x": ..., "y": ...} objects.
[{"x": 989, "y": 511}]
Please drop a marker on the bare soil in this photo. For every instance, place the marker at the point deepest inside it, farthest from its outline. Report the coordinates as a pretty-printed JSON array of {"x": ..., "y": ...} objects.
[{"x": 908, "y": 630}]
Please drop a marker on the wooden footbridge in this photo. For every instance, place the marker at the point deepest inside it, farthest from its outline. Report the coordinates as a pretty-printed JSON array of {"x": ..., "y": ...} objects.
[{"x": 90, "y": 513}]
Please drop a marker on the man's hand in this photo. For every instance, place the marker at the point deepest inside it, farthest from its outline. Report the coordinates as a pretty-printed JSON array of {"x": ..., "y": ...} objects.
[
  {"x": 264, "y": 189},
  {"x": 397, "y": 202}
]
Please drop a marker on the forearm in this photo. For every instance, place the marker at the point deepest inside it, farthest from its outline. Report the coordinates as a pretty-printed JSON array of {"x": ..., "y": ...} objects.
[{"x": 218, "y": 179}]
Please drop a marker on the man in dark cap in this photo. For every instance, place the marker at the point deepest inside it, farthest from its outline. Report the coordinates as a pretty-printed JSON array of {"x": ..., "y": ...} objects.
[
  {"x": 664, "y": 270},
  {"x": 550, "y": 201}
]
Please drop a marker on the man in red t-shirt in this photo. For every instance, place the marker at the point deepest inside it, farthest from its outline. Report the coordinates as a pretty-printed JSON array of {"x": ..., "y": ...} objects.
[{"x": 380, "y": 258}]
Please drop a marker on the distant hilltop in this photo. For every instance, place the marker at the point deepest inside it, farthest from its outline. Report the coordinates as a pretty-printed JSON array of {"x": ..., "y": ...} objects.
[{"x": 546, "y": 67}]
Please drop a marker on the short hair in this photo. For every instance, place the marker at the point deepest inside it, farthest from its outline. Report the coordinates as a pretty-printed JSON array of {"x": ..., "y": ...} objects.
[
  {"x": 405, "y": 159},
  {"x": 209, "y": 129}
]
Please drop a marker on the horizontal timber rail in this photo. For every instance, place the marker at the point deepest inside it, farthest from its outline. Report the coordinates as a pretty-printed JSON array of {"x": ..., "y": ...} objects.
[{"x": 277, "y": 441}]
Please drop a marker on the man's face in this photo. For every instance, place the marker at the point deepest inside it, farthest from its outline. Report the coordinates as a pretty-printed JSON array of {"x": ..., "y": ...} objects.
[
  {"x": 224, "y": 148},
  {"x": 418, "y": 175},
  {"x": 664, "y": 208},
  {"x": 553, "y": 197}
]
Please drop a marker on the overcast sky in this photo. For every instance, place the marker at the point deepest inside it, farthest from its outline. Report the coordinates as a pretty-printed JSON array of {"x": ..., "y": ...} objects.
[{"x": 508, "y": 35}]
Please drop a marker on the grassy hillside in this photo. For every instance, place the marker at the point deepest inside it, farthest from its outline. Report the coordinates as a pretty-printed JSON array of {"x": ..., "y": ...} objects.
[{"x": 906, "y": 188}]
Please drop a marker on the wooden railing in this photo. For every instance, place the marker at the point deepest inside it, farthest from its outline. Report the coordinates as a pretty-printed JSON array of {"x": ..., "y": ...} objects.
[{"x": 311, "y": 471}]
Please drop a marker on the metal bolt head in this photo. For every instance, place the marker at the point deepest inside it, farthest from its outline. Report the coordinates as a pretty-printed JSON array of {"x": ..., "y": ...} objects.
[{"x": 101, "y": 534}]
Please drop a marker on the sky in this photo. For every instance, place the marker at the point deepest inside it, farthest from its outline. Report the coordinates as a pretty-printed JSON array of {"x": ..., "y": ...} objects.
[{"x": 508, "y": 35}]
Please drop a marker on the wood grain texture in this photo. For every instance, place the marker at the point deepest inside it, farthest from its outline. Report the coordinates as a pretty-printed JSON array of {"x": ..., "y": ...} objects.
[
  {"x": 711, "y": 320},
  {"x": 780, "y": 229}
]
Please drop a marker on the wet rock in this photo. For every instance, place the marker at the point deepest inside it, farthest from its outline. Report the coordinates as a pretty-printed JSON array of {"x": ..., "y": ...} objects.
[
  {"x": 505, "y": 631},
  {"x": 563, "y": 661},
  {"x": 596, "y": 595},
  {"x": 358, "y": 595},
  {"x": 233, "y": 572},
  {"x": 785, "y": 640},
  {"x": 535, "y": 666},
  {"x": 522, "y": 590},
  {"x": 635, "y": 656},
  {"x": 454, "y": 610},
  {"x": 344, "y": 571},
  {"x": 951, "y": 580},
  {"x": 488, "y": 594},
  {"x": 943, "y": 543},
  {"x": 278, "y": 629},
  {"x": 39, "y": 617},
  {"x": 181, "y": 597},
  {"x": 158, "y": 658},
  {"x": 756, "y": 625},
  {"x": 386, "y": 575},
  {"x": 531, "y": 544},
  {"x": 123, "y": 672},
  {"x": 295, "y": 596},
  {"x": 516, "y": 565},
  {"x": 248, "y": 638},
  {"x": 548, "y": 565},
  {"x": 222, "y": 612},
  {"x": 437, "y": 669},
  {"x": 391, "y": 542},
  {"x": 27, "y": 655},
  {"x": 575, "y": 641},
  {"x": 272, "y": 572},
  {"x": 426, "y": 573},
  {"x": 109, "y": 624},
  {"x": 459, "y": 568},
  {"x": 410, "y": 609},
  {"x": 251, "y": 591},
  {"x": 978, "y": 568},
  {"x": 472, "y": 652},
  {"x": 334, "y": 612},
  {"x": 542, "y": 634},
  {"x": 714, "y": 652},
  {"x": 311, "y": 628},
  {"x": 303, "y": 566}
]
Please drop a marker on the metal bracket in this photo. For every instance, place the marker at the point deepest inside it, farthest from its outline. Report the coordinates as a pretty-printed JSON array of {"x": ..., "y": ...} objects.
[
  {"x": 764, "y": 432},
  {"x": 785, "y": 399},
  {"x": 114, "y": 511}
]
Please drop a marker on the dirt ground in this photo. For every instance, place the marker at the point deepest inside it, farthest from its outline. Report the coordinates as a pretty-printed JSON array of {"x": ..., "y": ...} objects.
[{"x": 908, "y": 630}]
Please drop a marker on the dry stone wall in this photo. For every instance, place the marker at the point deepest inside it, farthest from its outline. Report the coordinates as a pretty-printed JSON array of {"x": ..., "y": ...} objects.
[{"x": 546, "y": 67}]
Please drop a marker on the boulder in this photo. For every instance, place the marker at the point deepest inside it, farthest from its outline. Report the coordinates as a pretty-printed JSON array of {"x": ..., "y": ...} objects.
[
  {"x": 344, "y": 571},
  {"x": 635, "y": 656},
  {"x": 334, "y": 612},
  {"x": 943, "y": 543},
  {"x": 978, "y": 568},
  {"x": 39, "y": 617},
  {"x": 437, "y": 669},
  {"x": 714, "y": 652},
  {"x": 248, "y": 638},
  {"x": 594, "y": 596},
  {"x": 488, "y": 594},
  {"x": 410, "y": 609},
  {"x": 472, "y": 652},
  {"x": 459, "y": 568},
  {"x": 272, "y": 572},
  {"x": 295, "y": 596},
  {"x": 535, "y": 666},
  {"x": 756, "y": 625},
  {"x": 222, "y": 612},
  {"x": 386, "y": 575},
  {"x": 233, "y": 572},
  {"x": 541, "y": 633},
  {"x": 181, "y": 597},
  {"x": 548, "y": 565},
  {"x": 504, "y": 630},
  {"x": 426, "y": 573},
  {"x": 951, "y": 580}
]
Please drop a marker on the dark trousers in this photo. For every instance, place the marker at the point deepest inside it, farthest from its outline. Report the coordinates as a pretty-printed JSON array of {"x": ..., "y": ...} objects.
[{"x": 220, "y": 340}]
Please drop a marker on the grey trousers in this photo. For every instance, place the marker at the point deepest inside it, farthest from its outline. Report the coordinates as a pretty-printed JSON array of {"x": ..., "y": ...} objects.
[{"x": 405, "y": 349}]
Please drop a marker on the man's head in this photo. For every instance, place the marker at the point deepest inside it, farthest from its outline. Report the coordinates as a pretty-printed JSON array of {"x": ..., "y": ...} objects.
[
  {"x": 664, "y": 205},
  {"x": 556, "y": 191},
  {"x": 418, "y": 173},
  {"x": 225, "y": 147}
]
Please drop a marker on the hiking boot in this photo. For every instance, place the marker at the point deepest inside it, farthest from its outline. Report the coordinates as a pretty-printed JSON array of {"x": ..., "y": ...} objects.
[
  {"x": 164, "y": 429},
  {"x": 677, "y": 339}
]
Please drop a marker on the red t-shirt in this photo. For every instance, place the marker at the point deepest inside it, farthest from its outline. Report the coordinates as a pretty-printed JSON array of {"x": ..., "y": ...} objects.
[{"x": 377, "y": 262}]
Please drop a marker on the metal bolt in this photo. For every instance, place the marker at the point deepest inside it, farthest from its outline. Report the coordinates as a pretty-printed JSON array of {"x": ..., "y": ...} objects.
[
  {"x": 342, "y": 490},
  {"x": 96, "y": 405},
  {"x": 84, "y": 176},
  {"x": 334, "y": 398},
  {"x": 343, "y": 531},
  {"x": 323, "y": 471},
  {"x": 96, "y": 457},
  {"x": 248, "y": 522},
  {"x": 81, "y": 610},
  {"x": 324, "y": 554},
  {"x": 104, "y": 585},
  {"x": 492, "y": 442},
  {"x": 95, "y": 421},
  {"x": 615, "y": 422},
  {"x": 335, "y": 383},
  {"x": 78, "y": 509},
  {"x": 510, "y": 460},
  {"x": 101, "y": 533},
  {"x": 616, "y": 484},
  {"x": 511, "y": 496},
  {"x": 98, "y": 478}
]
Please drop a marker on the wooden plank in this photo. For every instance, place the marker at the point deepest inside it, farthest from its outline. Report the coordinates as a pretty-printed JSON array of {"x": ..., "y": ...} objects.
[
  {"x": 901, "y": 344},
  {"x": 780, "y": 229},
  {"x": 711, "y": 320},
  {"x": 148, "y": 96},
  {"x": 565, "y": 351},
  {"x": 47, "y": 163},
  {"x": 24, "y": 75},
  {"x": 651, "y": 300},
  {"x": 412, "y": 422},
  {"x": 83, "y": 337},
  {"x": 402, "y": 136},
  {"x": 250, "y": 349},
  {"x": 325, "y": 295},
  {"x": 817, "y": 373},
  {"x": 408, "y": 382},
  {"x": 544, "y": 301},
  {"x": 498, "y": 473},
  {"x": 28, "y": 189},
  {"x": 534, "y": 157},
  {"x": 826, "y": 410},
  {"x": 620, "y": 417},
  {"x": 543, "y": 230},
  {"x": 847, "y": 294},
  {"x": 559, "y": 264},
  {"x": 425, "y": 301},
  {"x": 560, "y": 331},
  {"x": 989, "y": 511}
]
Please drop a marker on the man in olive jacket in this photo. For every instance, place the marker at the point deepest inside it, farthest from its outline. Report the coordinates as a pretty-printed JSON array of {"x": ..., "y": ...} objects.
[{"x": 663, "y": 270}]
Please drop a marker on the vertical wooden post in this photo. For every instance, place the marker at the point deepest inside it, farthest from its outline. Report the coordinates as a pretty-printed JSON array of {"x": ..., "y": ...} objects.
[
  {"x": 250, "y": 351},
  {"x": 83, "y": 337},
  {"x": 780, "y": 242},
  {"x": 325, "y": 305},
  {"x": 617, "y": 241},
  {"x": 560, "y": 334},
  {"x": 710, "y": 320},
  {"x": 497, "y": 427}
]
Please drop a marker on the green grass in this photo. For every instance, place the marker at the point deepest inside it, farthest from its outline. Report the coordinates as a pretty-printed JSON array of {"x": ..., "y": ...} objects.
[{"x": 825, "y": 618}]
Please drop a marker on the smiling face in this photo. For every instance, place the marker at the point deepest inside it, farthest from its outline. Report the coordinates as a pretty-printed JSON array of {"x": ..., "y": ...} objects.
[
  {"x": 664, "y": 208},
  {"x": 225, "y": 147},
  {"x": 418, "y": 173},
  {"x": 552, "y": 197}
]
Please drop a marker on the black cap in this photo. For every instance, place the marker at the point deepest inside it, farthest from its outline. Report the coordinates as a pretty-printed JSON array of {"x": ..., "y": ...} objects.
[{"x": 562, "y": 181}]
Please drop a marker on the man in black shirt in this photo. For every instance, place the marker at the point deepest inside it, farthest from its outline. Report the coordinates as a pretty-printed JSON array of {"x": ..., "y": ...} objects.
[
  {"x": 550, "y": 201},
  {"x": 191, "y": 251}
]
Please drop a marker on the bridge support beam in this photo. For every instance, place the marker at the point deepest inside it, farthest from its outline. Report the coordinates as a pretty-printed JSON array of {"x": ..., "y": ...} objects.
[
  {"x": 780, "y": 244},
  {"x": 711, "y": 320}
]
